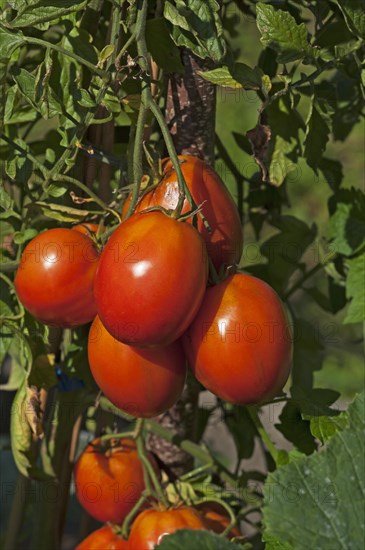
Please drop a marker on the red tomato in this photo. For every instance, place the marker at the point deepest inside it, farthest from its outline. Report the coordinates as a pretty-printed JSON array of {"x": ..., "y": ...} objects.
[
  {"x": 141, "y": 382},
  {"x": 55, "y": 278},
  {"x": 216, "y": 519},
  {"x": 150, "y": 280},
  {"x": 87, "y": 228},
  {"x": 103, "y": 539},
  {"x": 152, "y": 525},
  {"x": 224, "y": 243},
  {"x": 239, "y": 346},
  {"x": 109, "y": 481}
]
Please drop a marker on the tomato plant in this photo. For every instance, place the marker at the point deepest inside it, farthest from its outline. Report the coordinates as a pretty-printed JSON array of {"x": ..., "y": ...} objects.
[
  {"x": 127, "y": 374},
  {"x": 151, "y": 280},
  {"x": 109, "y": 479},
  {"x": 103, "y": 539},
  {"x": 239, "y": 346},
  {"x": 139, "y": 140},
  {"x": 152, "y": 525},
  {"x": 56, "y": 276}
]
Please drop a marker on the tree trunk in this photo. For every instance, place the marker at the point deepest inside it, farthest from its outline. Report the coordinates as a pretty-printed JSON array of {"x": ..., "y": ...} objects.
[
  {"x": 190, "y": 109},
  {"x": 190, "y": 113}
]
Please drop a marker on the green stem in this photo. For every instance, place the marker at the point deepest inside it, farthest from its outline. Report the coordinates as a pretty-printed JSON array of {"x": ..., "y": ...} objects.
[
  {"x": 142, "y": 115},
  {"x": 9, "y": 267},
  {"x": 128, "y": 519},
  {"x": 125, "y": 47},
  {"x": 253, "y": 412},
  {"x": 184, "y": 190},
  {"x": 86, "y": 189},
  {"x": 309, "y": 274},
  {"x": 191, "y": 448},
  {"x": 148, "y": 468},
  {"x": 114, "y": 34},
  {"x": 10, "y": 283},
  {"x": 69, "y": 53},
  {"x": 121, "y": 435}
]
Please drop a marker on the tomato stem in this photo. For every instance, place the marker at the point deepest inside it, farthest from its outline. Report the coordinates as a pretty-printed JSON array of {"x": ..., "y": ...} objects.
[
  {"x": 147, "y": 466},
  {"x": 128, "y": 519},
  {"x": 253, "y": 412}
]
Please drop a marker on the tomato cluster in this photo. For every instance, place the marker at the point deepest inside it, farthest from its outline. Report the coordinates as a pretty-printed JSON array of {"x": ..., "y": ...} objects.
[
  {"x": 152, "y": 307},
  {"x": 153, "y": 313}
]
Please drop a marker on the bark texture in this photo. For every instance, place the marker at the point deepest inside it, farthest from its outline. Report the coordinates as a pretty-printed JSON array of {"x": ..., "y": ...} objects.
[
  {"x": 190, "y": 109},
  {"x": 190, "y": 114}
]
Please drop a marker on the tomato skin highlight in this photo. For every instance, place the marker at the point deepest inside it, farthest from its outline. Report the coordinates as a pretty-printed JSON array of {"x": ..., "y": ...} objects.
[
  {"x": 141, "y": 382},
  {"x": 55, "y": 278},
  {"x": 152, "y": 525},
  {"x": 103, "y": 539},
  {"x": 150, "y": 280},
  {"x": 109, "y": 484},
  {"x": 239, "y": 346},
  {"x": 224, "y": 244}
]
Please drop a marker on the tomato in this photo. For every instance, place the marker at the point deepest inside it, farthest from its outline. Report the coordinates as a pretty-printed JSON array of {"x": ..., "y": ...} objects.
[
  {"x": 150, "y": 280},
  {"x": 87, "y": 228},
  {"x": 55, "y": 278},
  {"x": 103, "y": 539},
  {"x": 141, "y": 382},
  {"x": 109, "y": 480},
  {"x": 224, "y": 243},
  {"x": 239, "y": 346},
  {"x": 216, "y": 519},
  {"x": 152, "y": 525}
]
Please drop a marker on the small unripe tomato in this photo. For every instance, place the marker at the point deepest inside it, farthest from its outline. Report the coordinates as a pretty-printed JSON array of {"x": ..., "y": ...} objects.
[
  {"x": 239, "y": 345},
  {"x": 55, "y": 278}
]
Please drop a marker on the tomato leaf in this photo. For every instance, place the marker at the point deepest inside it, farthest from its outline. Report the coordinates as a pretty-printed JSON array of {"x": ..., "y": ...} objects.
[
  {"x": 199, "y": 540},
  {"x": 196, "y": 25},
  {"x": 353, "y": 11},
  {"x": 280, "y": 31},
  {"x": 41, "y": 11},
  {"x": 299, "y": 493}
]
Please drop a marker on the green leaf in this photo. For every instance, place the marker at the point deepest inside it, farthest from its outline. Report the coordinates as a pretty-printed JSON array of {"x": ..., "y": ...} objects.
[
  {"x": 196, "y": 24},
  {"x": 325, "y": 427},
  {"x": 43, "y": 11},
  {"x": 317, "y": 136},
  {"x": 55, "y": 190},
  {"x": 197, "y": 539},
  {"x": 239, "y": 423},
  {"x": 355, "y": 290},
  {"x": 280, "y": 31},
  {"x": 295, "y": 428},
  {"x": 347, "y": 225},
  {"x": 6, "y": 201},
  {"x": 317, "y": 501},
  {"x": 26, "y": 83},
  {"x": 241, "y": 76},
  {"x": 105, "y": 53},
  {"x": 21, "y": 237},
  {"x": 353, "y": 11},
  {"x": 162, "y": 47},
  {"x": 280, "y": 165},
  {"x": 9, "y": 42}
]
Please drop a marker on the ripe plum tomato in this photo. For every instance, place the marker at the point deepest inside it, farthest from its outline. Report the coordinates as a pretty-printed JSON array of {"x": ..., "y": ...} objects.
[
  {"x": 216, "y": 519},
  {"x": 152, "y": 525},
  {"x": 55, "y": 278},
  {"x": 109, "y": 480},
  {"x": 150, "y": 280},
  {"x": 224, "y": 243},
  {"x": 141, "y": 382},
  {"x": 103, "y": 539},
  {"x": 239, "y": 346}
]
